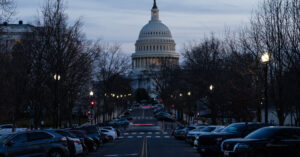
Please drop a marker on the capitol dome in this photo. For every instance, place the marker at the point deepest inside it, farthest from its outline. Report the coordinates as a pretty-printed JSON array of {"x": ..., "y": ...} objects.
[{"x": 155, "y": 45}]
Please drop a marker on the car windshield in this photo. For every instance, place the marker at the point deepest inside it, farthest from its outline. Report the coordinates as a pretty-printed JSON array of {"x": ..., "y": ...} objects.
[
  {"x": 208, "y": 129},
  {"x": 4, "y": 138},
  {"x": 264, "y": 133},
  {"x": 234, "y": 128},
  {"x": 218, "y": 129}
]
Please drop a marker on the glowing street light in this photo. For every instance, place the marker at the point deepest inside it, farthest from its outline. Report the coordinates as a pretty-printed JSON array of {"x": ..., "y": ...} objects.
[
  {"x": 56, "y": 77},
  {"x": 189, "y": 93},
  {"x": 91, "y": 93},
  {"x": 211, "y": 87},
  {"x": 265, "y": 58},
  {"x": 180, "y": 94}
]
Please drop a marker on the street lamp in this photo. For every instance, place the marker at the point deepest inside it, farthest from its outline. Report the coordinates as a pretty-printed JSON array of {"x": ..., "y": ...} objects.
[
  {"x": 189, "y": 93},
  {"x": 91, "y": 93},
  {"x": 214, "y": 109},
  {"x": 211, "y": 87},
  {"x": 56, "y": 77},
  {"x": 265, "y": 59},
  {"x": 180, "y": 94}
]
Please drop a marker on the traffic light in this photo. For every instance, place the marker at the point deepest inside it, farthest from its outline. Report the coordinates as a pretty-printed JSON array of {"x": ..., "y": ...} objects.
[
  {"x": 198, "y": 114},
  {"x": 89, "y": 112},
  {"x": 92, "y": 103},
  {"x": 173, "y": 105}
]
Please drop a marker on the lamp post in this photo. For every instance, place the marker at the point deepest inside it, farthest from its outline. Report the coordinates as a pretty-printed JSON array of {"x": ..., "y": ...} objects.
[
  {"x": 213, "y": 112},
  {"x": 265, "y": 58},
  {"x": 57, "y": 78}
]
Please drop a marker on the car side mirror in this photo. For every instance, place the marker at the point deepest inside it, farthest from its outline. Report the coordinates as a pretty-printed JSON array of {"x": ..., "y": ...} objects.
[{"x": 10, "y": 143}]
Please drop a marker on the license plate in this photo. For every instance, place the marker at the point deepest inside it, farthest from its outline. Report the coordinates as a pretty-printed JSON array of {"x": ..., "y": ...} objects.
[{"x": 226, "y": 153}]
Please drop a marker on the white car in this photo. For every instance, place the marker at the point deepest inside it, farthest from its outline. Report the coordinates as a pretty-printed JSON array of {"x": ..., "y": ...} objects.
[{"x": 111, "y": 133}]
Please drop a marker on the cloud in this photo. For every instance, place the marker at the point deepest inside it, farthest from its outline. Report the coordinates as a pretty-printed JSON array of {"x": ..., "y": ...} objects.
[{"x": 121, "y": 20}]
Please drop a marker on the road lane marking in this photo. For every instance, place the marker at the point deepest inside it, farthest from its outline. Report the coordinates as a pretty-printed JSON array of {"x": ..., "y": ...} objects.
[
  {"x": 126, "y": 133},
  {"x": 142, "y": 133},
  {"x": 157, "y": 136},
  {"x": 146, "y": 147},
  {"x": 139, "y": 136},
  {"x": 167, "y": 136},
  {"x": 165, "y": 133},
  {"x": 130, "y": 136},
  {"x": 157, "y": 132},
  {"x": 149, "y": 133},
  {"x": 148, "y": 136},
  {"x": 133, "y": 133},
  {"x": 121, "y": 137},
  {"x": 142, "y": 155}
]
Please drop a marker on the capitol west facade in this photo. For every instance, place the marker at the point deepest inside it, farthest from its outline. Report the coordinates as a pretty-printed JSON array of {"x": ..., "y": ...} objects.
[{"x": 154, "y": 48}]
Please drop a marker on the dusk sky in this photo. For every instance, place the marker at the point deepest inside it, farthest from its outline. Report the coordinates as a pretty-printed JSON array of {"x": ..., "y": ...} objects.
[{"x": 119, "y": 21}]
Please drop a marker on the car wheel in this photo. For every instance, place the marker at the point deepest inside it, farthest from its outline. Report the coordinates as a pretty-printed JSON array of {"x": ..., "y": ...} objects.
[
  {"x": 55, "y": 153},
  {"x": 94, "y": 147}
]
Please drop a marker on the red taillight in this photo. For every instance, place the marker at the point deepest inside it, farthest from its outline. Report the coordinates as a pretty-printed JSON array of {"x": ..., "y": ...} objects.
[{"x": 79, "y": 142}]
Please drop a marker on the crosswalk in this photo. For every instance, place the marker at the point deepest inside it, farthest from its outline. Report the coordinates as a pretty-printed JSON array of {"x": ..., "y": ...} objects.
[
  {"x": 154, "y": 135},
  {"x": 143, "y": 118}
]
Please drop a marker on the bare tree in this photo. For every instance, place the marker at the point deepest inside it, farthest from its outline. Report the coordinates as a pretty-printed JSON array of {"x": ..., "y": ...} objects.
[{"x": 7, "y": 10}]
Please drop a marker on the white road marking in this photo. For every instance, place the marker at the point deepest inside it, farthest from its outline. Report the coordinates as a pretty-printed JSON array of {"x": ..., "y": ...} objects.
[
  {"x": 133, "y": 133},
  {"x": 149, "y": 133},
  {"x": 139, "y": 136},
  {"x": 167, "y": 136},
  {"x": 142, "y": 133},
  {"x": 148, "y": 136},
  {"x": 157, "y": 132},
  {"x": 130, "y": 136},
  {"x": 126, "y": 133},
  {"x": 157, "y": 136},
  {"x": 165, "y": 133},
  {"x": 121, "y": 137}
]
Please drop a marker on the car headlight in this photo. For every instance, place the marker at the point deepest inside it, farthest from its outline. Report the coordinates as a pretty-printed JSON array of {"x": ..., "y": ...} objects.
[{"x": 241, "y": 147}]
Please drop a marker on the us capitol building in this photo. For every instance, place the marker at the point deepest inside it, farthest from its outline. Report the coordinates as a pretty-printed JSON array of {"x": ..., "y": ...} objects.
[{"x": 154, "y": 48}]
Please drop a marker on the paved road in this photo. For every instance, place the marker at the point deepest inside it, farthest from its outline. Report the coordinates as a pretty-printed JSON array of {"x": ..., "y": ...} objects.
[{"x": 145, "y": 138}]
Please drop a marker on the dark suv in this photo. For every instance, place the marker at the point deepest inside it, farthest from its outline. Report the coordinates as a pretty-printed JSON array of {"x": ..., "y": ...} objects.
[
  {"x": 33, "y": 143},
  {"x": 92, "y": 132},
  {"x": 265, "y": 142},
  {"x": 210, "y": 144}
]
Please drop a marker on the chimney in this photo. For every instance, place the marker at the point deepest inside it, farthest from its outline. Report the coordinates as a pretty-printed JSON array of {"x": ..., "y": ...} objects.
[{"x": 20, "y": 22}]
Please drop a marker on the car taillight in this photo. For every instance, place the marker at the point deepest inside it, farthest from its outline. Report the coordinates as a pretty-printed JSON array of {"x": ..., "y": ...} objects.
[{"x": 74, "y": 141}]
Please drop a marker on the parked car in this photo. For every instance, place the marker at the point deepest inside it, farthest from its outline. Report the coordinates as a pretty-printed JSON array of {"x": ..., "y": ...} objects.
[
  {"x": 33, "y": 143},
  {"x": 163, "y": 116},
  {"x": 210, "y": 144},
  {"x": 217, "y": 130},
  {"x": 74, "y": 144},
  {"x": 191, "y": 136},
  {"x": 265, "y": 142},
  {"x": 110, "y": 135},
  {"x": 89, "y": 143},
  {"x": 92, "y": 132},
  {"x": 181, "y": 132}
]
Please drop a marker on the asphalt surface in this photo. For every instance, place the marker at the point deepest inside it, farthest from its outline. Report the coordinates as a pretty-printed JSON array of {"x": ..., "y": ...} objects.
[{"x": 146, "y": 137}]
